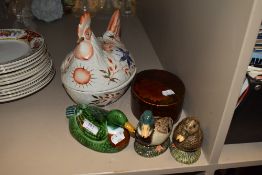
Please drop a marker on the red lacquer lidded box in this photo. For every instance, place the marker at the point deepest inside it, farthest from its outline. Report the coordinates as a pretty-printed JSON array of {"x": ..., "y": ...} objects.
[{"x": 159, "y": 91}]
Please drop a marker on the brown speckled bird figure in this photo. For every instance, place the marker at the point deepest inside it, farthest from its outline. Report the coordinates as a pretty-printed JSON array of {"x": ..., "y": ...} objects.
[{"x": 188, "y": 135}]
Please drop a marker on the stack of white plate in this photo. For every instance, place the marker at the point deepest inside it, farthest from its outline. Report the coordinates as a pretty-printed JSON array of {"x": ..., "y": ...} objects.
[{"x": 25, "y": 64}]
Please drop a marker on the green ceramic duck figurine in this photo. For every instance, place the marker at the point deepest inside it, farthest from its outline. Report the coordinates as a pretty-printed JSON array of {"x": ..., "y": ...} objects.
[
  {"x": 98, "y": 129},
  {"x": 152, "y": 134}
]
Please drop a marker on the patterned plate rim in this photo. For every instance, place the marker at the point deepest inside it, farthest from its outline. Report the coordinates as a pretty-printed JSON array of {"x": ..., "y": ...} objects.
[{"x": 34, "y": 40}]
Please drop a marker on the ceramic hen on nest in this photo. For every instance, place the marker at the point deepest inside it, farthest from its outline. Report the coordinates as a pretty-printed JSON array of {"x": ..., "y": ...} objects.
[
  {"x": 187, "y": 140},
  {"x": 152, "y": 135},
  {"x": 99, "y": 70}
]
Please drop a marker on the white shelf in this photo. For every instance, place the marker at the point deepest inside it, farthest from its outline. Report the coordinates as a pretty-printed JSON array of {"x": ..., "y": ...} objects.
[
  {"x": 34, "y": 133},
  {"x": 240, "y": 155}
]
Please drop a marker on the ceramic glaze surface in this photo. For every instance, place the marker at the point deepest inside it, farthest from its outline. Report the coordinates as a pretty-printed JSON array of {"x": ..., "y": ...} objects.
[
  {"x": 98, "y": 129},
  {"x": 188, "y": 135},
  {"x": 186, "y": 141},
  {"x": 25, "y": 64},
  {"x": 159, "y": 91},
  {"x": 17, "y": 44},
  {"x": 7, "y": 52},
  {"x": 152, "y": 134},
  {"x": 98, "y": 99},
  {"x": 97, "y": 64}
]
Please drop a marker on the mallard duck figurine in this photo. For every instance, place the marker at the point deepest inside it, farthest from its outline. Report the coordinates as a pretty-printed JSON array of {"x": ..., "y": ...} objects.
[
  {"x": 98, "y": 129},
  {"x": 152, "y": 134},
  {"x": 187, "y": 140}
]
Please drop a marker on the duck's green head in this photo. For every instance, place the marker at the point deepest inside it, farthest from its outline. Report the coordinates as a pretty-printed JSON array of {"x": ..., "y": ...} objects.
[
  {"x": 146, "y": 124},
  {"x": 118, "y": 118}
]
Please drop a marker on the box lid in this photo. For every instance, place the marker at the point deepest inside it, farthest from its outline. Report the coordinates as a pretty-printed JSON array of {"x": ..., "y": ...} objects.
[{"x": 158, "y": 87}]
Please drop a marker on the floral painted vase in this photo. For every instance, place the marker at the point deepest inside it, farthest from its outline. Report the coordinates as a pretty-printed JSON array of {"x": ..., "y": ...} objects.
[{"x": 97, "y": 66}]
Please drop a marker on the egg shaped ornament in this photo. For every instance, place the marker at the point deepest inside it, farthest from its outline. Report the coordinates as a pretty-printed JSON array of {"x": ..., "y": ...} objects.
[
  {"x": 186, "y": 141},
  {"x": 99, "y": 129},
  {"x": 99, "y": 70},
  {"x": 152, "y": 134}
]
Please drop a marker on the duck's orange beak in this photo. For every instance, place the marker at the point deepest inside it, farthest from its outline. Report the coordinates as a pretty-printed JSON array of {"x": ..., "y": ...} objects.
[{"x": 130, "y": 128}]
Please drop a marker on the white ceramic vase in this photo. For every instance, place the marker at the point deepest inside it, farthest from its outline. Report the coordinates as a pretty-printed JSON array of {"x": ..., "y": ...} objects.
[{"x": 98, "y": 68}]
